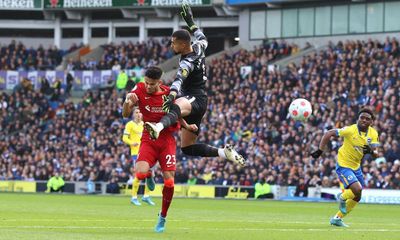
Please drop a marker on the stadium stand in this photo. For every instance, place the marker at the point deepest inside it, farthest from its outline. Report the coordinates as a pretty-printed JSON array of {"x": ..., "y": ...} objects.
[
  {"x": 128, "y": 56},
  {"x": 17, "y": 56}
]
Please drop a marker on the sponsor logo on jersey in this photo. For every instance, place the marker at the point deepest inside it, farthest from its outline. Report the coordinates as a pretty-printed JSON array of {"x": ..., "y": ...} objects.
[{"x": 153, "y": 109}]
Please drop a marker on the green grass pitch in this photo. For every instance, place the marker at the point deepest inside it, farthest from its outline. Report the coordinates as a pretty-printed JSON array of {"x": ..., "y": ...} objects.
[{"x": 63, "y": 216}]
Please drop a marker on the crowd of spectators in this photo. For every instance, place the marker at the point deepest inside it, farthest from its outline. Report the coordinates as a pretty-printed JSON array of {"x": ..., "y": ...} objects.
[
  {"x": 16, "y": 56},
  {"x": 248, "y": 111},
  {"x": 74, "y": 139},
  {"x": 127, "y": 55}
]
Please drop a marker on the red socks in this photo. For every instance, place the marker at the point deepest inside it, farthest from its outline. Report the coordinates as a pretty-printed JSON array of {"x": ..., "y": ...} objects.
[{"x": 168, "y": 193}]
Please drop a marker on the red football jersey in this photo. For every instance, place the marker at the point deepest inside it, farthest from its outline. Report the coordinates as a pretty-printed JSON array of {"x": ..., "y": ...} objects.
[{"x": 150, "y": 106}]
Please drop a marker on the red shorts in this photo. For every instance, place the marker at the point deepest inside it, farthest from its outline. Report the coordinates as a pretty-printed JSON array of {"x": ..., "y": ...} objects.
[{"x": 162, "y": 150}]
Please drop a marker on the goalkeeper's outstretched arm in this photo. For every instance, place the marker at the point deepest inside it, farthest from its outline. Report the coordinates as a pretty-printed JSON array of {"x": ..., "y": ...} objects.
[{"x": 187, "y": 15}]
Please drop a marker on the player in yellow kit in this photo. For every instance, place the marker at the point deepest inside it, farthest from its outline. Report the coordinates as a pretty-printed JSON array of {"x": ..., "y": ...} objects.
[
  {"x": 132, "y": 135},
  {"x": 359, "y": 139}
]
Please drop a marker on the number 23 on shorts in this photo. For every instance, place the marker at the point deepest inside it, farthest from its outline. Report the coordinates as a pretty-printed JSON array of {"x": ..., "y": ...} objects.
[{"x": 171, "y": 160}]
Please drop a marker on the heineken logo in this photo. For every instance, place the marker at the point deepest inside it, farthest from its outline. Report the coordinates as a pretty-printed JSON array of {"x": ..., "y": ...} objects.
[
  {"x": 81, "y": 3},
  {"x": 17, "y": 4},
  {"x": 112, "y": 3},
  {"x": 87, "y": 3},
  {"x": 175, "y": 2}
]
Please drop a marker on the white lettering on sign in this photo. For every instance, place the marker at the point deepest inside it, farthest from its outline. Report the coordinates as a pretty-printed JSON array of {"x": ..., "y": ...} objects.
[
  {"x": 87, "y": 3},
  {"x": 174, "y": 2},
  {"x": 16, "y": 4}
]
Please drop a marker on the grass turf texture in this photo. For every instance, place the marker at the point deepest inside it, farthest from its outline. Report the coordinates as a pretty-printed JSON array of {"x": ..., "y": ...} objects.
[{"x": 62, "y": 216}]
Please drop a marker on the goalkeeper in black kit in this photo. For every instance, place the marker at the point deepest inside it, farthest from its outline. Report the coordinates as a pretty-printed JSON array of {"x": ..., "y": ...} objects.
[{"x": 188, "y": 97}]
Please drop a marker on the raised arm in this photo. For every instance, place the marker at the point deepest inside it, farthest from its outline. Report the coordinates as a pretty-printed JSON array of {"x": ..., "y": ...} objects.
[
  {"x": 130, "y": 101},
  {"x": 201, "y": 39},
  {"x": 325, "y": 139},
  {"x": 187, "y": 15}
]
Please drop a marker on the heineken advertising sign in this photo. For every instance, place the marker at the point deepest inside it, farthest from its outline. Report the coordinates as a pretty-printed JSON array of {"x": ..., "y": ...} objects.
[
  {"x": 165, "y": 3},
  {"x": 54, "y": 4},
  {"x": 20, "y": 4}
]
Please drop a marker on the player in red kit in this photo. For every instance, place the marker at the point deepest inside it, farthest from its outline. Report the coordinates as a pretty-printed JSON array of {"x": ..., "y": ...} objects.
[{"x": 149, "y": 97}]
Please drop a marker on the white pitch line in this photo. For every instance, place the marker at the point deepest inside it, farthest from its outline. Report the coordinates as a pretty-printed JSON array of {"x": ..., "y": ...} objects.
[
  {"x": 322, "y": 222},
  {"x": 212, "y": 229}
]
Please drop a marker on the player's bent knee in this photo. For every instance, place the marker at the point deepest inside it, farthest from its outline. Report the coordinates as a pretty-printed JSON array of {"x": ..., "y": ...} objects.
[
  {"x": 357, "y": 196},
  {"x": 141, "y": 175},
  {"x": 357, "y": 190},
  {"x": 169, "y": 182},
  {"x": 184, "y": 106}
]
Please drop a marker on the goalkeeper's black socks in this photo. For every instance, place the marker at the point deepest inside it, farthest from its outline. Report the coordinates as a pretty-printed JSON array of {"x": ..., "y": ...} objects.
[{"x": 171, "y": 117}]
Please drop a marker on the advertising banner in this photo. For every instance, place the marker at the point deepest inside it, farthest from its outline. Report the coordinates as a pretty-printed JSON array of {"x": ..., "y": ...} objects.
[
  {"x": 17, "y": 186},
  {"x": 57, "y": 4},
  {"x": 20, "y": 4},
  {"x": 82, "y": 79},
  {"x": 233, "y": 2},
  {"x": 381, "y": 196}
]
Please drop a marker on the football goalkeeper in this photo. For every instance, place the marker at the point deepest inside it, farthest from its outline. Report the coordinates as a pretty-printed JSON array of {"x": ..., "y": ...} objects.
[{"x": 188, "y": 97}]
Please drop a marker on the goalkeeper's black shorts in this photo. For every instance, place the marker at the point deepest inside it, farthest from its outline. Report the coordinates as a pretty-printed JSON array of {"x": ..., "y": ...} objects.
[{"x": 199, "y": 108}]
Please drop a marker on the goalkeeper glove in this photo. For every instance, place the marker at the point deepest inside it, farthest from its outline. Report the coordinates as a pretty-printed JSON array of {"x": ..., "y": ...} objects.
[
  {"x": 167, "y": 102},
  {"x": 187, "y": 15},
  {"x": 367, "y": 149},
  {"x": 316, "y": 154}
]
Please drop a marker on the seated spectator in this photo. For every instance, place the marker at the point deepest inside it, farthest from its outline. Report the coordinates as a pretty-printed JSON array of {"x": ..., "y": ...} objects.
[
  {"x": 112, "y": 186},
  {"x": 192, "y": 179},
  {"x": 181, "y": 175},
  {"x": 55, "y": 184},
  {"x": 301, "y": 188},
  {"x": 262, "y": 190},
  {"x": 90, "y": 184}
]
